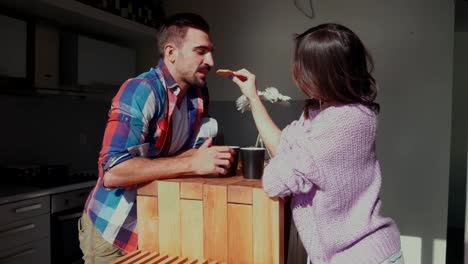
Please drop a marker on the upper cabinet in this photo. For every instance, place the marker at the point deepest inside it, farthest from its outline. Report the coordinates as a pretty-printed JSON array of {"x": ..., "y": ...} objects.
[
  {"x": 84, "y": 18},
  {"x": 46, "y": 56},
  {"x": 91, "y": 64},
  {"x": 67, "y": 47},
  {"x": 108, "y": 69},
  {"x": 13, "y": 47}
]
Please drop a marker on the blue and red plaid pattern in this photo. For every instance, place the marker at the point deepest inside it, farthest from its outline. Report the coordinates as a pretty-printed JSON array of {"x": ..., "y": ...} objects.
[{"x": 138, "y": 126}]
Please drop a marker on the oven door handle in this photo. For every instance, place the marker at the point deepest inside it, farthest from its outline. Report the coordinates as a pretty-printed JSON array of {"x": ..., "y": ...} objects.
[{"x": 70, "y": 216}]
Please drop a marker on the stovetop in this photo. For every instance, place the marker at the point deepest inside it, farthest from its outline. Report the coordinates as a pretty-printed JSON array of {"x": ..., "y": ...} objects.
[{"x": 45, "y": 175}]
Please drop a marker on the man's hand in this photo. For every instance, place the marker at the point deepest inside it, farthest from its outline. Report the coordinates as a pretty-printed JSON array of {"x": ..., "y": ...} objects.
[{"x": 211, "y": 159}]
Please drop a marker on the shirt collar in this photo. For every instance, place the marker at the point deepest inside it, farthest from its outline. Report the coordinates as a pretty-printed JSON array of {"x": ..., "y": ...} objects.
[{"x": 168, "y": 79}]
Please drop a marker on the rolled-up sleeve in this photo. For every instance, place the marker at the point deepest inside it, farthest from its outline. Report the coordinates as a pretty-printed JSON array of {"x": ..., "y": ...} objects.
[{"x": 128, "y": 120}]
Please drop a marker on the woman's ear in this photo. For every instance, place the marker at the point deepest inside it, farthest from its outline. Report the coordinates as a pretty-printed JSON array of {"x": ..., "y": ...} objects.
[{"x": 170, "y": 52}]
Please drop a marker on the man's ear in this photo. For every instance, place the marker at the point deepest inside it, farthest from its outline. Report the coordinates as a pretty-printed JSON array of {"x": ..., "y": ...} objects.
[{"x": 170, "y": 52}]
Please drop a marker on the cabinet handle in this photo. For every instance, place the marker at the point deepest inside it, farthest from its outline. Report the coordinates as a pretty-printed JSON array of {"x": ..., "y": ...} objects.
[
  {"x": 28, "y": 208},
  {"x": 23, "y": 253},
  {"x": 17, "y": 230}
]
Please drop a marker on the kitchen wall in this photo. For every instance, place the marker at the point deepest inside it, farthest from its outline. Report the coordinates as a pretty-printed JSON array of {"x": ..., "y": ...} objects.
[
  {"x": 412, "y": 44},
  {"x": 51, "y": 130}
]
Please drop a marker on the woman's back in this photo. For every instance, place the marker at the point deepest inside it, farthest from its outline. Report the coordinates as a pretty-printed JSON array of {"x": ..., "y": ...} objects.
[{"x": 335, "y": 184}]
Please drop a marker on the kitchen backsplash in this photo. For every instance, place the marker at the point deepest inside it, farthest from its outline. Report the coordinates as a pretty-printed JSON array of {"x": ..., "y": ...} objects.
[
  {"x": 51, "y": 130},
  {"x": 69, "y": 130}
]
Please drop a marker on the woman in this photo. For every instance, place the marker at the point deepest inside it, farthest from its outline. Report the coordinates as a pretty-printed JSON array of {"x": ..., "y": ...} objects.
[{"x": 326, "y": 161}]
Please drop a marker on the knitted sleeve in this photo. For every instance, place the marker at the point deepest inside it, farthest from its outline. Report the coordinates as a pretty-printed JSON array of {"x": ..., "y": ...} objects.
[
  {"x": 289, "y": 171},
  {"x": 337, "y": 140}
]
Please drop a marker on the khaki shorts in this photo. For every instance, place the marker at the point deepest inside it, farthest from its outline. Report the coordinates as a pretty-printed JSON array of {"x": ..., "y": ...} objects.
[{"x": 95, "y": 249}]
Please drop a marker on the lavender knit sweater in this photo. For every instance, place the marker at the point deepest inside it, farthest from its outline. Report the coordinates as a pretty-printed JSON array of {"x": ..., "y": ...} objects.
[{"x": 329, "y": 166}]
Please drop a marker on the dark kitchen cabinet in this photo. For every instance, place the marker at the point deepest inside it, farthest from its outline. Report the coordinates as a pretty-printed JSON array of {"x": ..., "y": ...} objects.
[
  {"x": 25, "y": 231},
  {"x": 85, "y": 18},
  {"x": 13, "y": 47},
  {"x": 33, "y": 252},
  {"x": 35, "y": 49},
  {"x": 46, "y": 56},
  {"x": 13, "y": 53},
  {"x": 43, "y": 229}
]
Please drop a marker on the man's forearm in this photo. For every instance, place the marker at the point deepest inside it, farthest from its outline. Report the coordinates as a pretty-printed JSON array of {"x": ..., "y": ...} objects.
[
  {"x": 140, "y": 170},
  {"x": 185, "y": 153}
]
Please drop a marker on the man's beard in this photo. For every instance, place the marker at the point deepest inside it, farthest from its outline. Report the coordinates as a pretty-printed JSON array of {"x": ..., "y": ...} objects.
[{"x": 196, "y": 82}]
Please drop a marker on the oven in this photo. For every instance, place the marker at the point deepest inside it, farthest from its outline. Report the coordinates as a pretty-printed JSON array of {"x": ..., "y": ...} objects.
[{"x": 66, "y": 209}]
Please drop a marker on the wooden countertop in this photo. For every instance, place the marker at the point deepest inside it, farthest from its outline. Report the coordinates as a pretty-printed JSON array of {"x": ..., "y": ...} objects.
[{"x": 239, "y": 189}]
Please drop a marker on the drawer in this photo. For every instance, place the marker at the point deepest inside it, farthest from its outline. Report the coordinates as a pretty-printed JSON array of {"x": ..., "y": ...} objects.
[
  {"x": 24, "y": 231},
  {"x": 13, "y": 212},
  {"x": 29, "y": 253},
  {"x": 68, "y": 200}
]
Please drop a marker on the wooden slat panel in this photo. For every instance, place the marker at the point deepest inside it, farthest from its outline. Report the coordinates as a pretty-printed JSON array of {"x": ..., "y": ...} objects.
[
  {"x": 241, "y": 192},
  {"x": 267, "y": 229},
  {"x": 134, "y": 254},
  {"x": 169, "y": 218},
  {"x": 215, "y": 222},
  {"x": 148, "y": 258},
  {"x": 159, "y": 259},
  {"x": 170, "y": 260},
  {"x": 149, "y": 189},
  {"x": 183, "y": 260},
  {"x": 136, "y": 258},
  {"x": 192, "y": 228},
  {"x": 240, "y": 233},
  {"x": 147, "y": 209},
  {"x": 192, "y": 189}
]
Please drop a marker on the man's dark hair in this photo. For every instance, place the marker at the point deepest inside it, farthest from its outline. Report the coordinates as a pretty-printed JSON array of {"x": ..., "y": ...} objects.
[{"x": 174, "y": 29}]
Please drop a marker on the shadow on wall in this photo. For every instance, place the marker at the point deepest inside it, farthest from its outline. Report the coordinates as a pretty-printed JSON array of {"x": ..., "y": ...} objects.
[{"x": 238, "y": 128}]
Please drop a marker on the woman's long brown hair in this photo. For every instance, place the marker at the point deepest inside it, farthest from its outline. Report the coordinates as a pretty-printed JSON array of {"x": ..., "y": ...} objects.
[{"x": 331, "y": 64}]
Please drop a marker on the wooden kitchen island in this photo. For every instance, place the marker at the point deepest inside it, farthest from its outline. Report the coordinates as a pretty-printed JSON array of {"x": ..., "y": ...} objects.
[{"x": 208, "y": 220}]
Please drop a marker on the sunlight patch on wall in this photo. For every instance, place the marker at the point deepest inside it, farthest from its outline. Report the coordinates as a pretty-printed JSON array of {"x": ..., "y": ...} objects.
[
  {"x": 411, "y": 247},
  {"x": 438, "y": 251}
]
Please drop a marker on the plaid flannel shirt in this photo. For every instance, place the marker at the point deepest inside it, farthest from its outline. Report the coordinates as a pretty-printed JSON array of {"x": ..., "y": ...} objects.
[{"x": 138, "y": 126}]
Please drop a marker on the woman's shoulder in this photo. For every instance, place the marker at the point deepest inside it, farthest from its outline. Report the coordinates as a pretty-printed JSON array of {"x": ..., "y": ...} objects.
[
  {"x": 340, "y": 120},
  {"x": 346, "y": 113}
]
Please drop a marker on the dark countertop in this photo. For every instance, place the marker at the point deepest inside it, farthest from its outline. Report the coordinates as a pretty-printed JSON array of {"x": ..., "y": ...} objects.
[{"x": 13, "y": 193}]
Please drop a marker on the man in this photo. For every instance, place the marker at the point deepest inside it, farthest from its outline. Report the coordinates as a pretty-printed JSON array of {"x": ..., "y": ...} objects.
[{"x": 151, "y": 134}]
